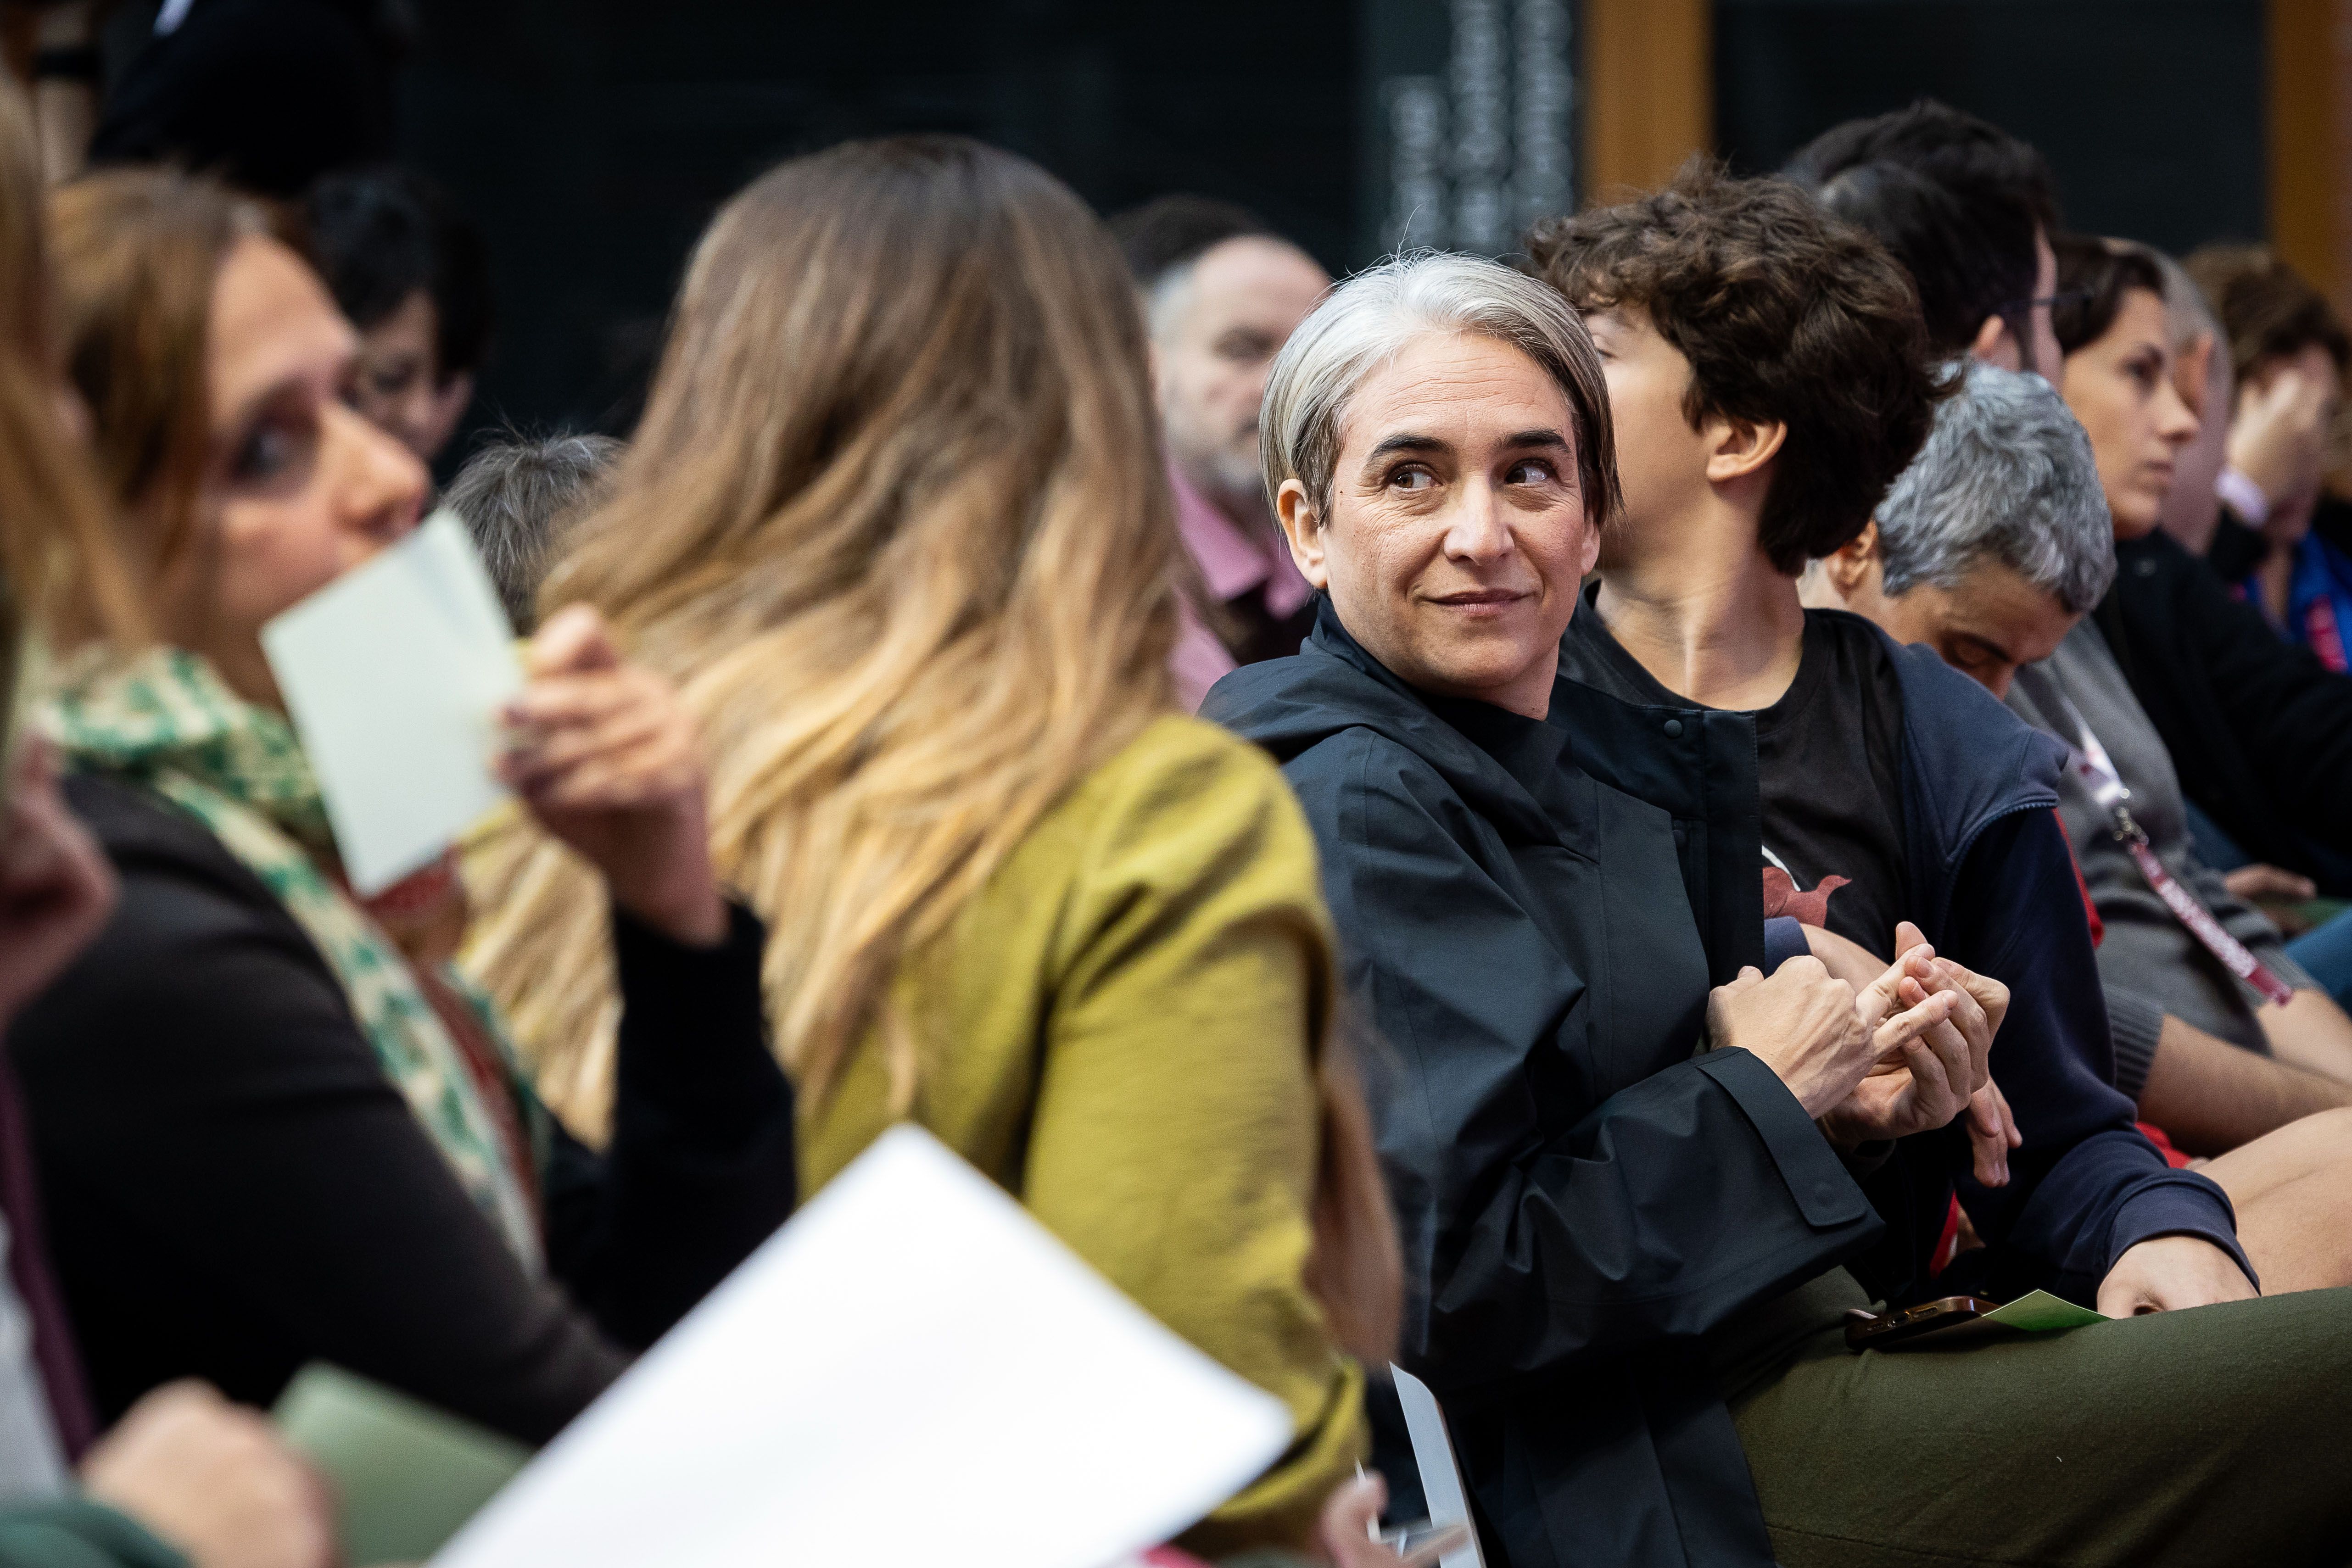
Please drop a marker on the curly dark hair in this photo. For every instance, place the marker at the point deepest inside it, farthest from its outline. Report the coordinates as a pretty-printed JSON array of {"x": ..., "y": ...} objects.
[{"x": 1784, "y": 313}]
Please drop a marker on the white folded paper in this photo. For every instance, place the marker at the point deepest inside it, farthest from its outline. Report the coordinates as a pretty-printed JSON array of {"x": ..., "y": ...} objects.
[
  {"x": 911, "y": 1373},
  {"x": 394, "y": 673}
]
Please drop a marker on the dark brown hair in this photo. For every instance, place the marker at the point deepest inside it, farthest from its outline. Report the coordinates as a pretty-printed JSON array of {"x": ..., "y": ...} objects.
[
  {"x": 2093, "y": 276},
  {"x": 1784, "y": 313},
  {"x": 2265, "y": 307}
]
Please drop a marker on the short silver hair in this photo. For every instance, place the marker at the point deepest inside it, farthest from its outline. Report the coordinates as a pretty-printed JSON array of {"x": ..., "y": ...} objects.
[
  {"x": 2007, "y": 474},
  {"x": 1366, "y": 323},
  {"x": 518, "y": 496}
]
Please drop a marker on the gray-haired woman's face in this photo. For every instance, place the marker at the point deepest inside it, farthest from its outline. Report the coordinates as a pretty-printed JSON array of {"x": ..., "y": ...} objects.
[{"x": 1457, "y": 538}]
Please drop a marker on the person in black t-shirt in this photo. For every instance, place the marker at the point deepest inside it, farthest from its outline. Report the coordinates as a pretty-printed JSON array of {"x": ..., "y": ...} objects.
[
  {"x": 1828, "y": 769},
  {"x": 1771, "y": 375},
  {"x": 1768, "y": 377}
]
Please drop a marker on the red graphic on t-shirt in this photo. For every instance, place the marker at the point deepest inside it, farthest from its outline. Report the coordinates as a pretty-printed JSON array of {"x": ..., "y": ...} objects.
[{"x": 1781, "y": 897}]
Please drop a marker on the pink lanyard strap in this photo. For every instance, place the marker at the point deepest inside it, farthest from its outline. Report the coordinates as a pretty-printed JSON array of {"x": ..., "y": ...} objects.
[{"x": 2091, "y": 764}]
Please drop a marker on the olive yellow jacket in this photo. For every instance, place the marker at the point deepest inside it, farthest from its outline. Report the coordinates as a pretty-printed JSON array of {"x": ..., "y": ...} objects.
[{"x": 1120, "y": 1029}]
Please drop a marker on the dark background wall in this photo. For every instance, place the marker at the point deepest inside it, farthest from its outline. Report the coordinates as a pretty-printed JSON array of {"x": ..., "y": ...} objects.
[
  {"x": 593, "y": 139},
  {"x": 2150, "y": 111}
]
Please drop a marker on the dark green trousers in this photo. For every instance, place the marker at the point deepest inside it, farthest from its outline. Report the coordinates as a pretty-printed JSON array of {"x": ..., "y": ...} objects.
[{"x": 2221, "y": 1436}]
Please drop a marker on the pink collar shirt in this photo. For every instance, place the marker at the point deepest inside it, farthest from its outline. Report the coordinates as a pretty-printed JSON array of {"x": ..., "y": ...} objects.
[{"x": 1232, "y": 562}]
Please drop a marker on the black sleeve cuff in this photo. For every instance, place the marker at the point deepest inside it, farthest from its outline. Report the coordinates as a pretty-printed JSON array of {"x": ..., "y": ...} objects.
[
  {"x": 1817, "y": 1179},
  {"x": 693, "y": 1031}
]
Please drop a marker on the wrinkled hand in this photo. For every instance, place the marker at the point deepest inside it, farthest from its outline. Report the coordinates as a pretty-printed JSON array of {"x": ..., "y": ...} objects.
[
  {"x": 605, "y": 755},
  {"x": 2279, "y": 440},
  {"x": 57, "y": 887},
  {"x": 2257, "y": 882},
  {"x": 1800, "y": 1023},
  {"x": 1350, "y": 1519},
  {"x": 2170, "y": 1274},
  {"x": 213, "y": 1480}
]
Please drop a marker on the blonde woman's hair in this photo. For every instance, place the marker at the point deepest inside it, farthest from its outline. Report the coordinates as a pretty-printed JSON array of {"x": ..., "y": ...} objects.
[{"x": 896, "y": 522}]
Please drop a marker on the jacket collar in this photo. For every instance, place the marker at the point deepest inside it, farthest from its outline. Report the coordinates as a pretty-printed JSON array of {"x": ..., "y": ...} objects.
[{"x": 1333, "y": 684}]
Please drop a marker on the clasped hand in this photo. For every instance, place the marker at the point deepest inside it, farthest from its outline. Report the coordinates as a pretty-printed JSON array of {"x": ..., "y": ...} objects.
[
  {"x": 1904, "y": 1051},
  {"x": 605, "y": 755}
]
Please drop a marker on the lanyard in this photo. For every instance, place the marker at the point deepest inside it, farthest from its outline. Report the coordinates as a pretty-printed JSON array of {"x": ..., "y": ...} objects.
[{"x": 2090, "y": 764}]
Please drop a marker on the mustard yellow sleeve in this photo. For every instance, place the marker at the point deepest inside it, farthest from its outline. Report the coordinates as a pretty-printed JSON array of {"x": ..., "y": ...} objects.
[{"x": 1174, "y": 1144}]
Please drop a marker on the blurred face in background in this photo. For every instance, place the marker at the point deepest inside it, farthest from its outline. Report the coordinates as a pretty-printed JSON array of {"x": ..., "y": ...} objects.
[
  {"x": 400, "y": 384},
  {"x": 1215, "y": 337},
  {"x": 2120, "y": 386},
  {"x": 2318, "y": 387},
  {"x": 296, "y": 487},
  {"x": 1987, "y": 626}
]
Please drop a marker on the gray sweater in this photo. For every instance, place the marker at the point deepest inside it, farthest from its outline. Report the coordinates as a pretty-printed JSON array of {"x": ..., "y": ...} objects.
[{"x": 2150, "y": 963}]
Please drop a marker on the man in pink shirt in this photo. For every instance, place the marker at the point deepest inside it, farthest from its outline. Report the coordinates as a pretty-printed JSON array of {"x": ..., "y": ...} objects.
[{"x": 1221, "y": 295}]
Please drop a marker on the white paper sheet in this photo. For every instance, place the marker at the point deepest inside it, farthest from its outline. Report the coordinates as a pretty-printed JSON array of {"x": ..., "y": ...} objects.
[
  {"x": 394, "y": 673},
  {"x": 1432, "y": 1455},
  {"x": 911, "y": 1373}
]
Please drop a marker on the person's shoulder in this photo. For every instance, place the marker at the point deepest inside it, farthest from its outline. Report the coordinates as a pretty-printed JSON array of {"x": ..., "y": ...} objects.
[
  {"x": 1177, "y": 755},
  {"x": 186, "y": 903},
  {"x": 1855, "y": 636},
  {"x": 1174, "y": 793},
  {"x": 1183, "y": 817},
  {"x": 159, "y": 851},
  {"x": 197, "y": 949}
]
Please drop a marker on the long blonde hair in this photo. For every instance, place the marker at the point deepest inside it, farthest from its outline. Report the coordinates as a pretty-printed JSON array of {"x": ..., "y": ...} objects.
[{"x": 894, "y": 521}]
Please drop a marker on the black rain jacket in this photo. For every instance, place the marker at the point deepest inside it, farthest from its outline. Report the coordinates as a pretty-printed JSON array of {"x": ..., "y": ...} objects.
[{"x": 1532, "y": 913}]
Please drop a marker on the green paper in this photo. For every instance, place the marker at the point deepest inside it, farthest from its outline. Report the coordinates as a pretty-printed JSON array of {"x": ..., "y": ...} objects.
[
  {"x": 2038, "y": 1311},
  {"x": 406, "y": 1475}
]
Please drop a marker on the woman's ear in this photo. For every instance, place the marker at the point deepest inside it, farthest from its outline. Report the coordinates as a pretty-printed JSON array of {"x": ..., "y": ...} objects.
[{"x": 1304, "y": 530}]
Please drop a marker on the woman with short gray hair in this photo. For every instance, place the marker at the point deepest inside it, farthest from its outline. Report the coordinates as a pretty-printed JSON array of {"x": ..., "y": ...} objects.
[
  {"x": 1377, "y": 314},
  {"x": 1536, "y": 886}
]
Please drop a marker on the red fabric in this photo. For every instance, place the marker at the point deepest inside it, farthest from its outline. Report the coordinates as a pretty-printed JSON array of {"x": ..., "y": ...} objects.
[
  {"x": 2098, "y": 926},
  {"x": 1781, "y": 897},
  {"x": 1947, "y": 1247},
  {"x": 2172, "y": 1157}
]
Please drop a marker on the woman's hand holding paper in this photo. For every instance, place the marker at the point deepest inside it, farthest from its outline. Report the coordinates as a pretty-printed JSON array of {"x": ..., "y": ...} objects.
[{"x": 605, "y": 755}]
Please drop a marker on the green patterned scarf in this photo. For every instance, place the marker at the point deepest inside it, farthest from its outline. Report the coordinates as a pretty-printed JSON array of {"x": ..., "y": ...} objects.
[{"x": 166, "y": 722}]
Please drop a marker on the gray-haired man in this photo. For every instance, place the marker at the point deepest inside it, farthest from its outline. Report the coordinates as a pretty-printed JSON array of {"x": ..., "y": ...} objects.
[{"x": 1991, "y": 549}]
